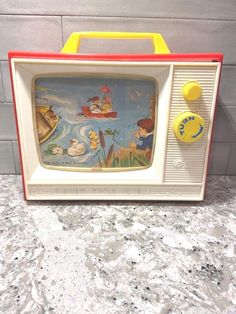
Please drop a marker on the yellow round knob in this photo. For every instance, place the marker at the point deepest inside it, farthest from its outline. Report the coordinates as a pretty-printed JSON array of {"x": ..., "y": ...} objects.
[
  {"x": 192, "y": 90},
  {"x": 188, "y": 127}
]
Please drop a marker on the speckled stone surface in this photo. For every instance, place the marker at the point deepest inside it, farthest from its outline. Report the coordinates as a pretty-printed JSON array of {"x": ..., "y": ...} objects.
[{"x": 118, "y": 257}]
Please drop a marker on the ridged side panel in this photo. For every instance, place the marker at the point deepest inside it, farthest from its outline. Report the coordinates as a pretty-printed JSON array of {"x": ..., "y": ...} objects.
[{"x": 184, "y": 161}]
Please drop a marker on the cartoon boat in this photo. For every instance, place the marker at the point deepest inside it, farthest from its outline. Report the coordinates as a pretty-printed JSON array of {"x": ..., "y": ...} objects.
[
  {"x": 47, "y": 122},
  {"x": 98, "y": 115}
]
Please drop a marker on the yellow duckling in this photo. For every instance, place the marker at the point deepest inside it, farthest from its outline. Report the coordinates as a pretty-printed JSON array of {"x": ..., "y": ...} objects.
[
  {"x": 94, "y": 141},
  {"x": 92, "y": 134},
  {"x": 93, "y": 145}
]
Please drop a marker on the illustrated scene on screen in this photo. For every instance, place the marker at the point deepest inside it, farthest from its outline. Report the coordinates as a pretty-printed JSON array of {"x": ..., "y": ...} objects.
[{"x": 95, "y": 122}]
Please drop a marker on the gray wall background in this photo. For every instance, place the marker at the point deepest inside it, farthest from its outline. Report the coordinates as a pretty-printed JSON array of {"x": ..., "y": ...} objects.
[{"x": 188, "y": 26}]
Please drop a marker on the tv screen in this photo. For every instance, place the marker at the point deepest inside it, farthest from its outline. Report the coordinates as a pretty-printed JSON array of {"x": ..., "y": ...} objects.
[{"x": 95, "y": 123}]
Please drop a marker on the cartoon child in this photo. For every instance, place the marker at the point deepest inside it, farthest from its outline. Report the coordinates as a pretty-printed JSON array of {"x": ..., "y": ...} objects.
[
  {"x": 96, "y": 105},
  {"x": 144, "y": 134},
  {"x": 107, "y": 104}
]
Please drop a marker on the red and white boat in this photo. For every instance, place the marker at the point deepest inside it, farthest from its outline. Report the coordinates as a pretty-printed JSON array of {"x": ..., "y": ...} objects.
[{"x": 98, "y": 115}]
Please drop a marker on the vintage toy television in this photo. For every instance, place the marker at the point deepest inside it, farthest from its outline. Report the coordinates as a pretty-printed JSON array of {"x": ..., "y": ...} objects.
[{"x": 130, "y": 127}]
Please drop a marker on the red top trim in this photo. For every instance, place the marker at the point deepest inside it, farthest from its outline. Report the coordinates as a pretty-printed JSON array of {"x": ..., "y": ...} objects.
[{"x": 196, "y": 57}]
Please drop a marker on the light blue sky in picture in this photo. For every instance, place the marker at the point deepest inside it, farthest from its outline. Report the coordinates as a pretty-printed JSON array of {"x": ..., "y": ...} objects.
[{"x": 130, "y": 98}]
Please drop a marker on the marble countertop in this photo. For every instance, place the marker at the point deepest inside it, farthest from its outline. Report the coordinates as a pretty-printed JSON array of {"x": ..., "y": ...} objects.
[{"x": 118, "y": 257}]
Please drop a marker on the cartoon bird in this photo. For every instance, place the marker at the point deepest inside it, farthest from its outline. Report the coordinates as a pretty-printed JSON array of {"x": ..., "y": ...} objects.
[
  {"x": 134, "y": 95},
  {"x": 94, "y": 141},
  {"x": 93, "y": 134},
  {"x": 138, "y": 93},
  {"x": 76, "y": 148},
  {"x": 93, "y": 145}
]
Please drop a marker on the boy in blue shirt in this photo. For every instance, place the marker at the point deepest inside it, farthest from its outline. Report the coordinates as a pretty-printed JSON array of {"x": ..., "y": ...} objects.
[{"x": 144, "y": 134}]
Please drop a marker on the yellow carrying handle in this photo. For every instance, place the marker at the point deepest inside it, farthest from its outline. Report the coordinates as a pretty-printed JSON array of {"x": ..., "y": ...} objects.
[{"x": 73, "y": 42}]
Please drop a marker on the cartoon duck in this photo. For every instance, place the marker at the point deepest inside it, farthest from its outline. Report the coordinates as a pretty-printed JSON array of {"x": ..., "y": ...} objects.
[
  {"x": 94, "y": 141},
  {"x": 76, "y": 148},
  {"x": 93, "y": 135}
]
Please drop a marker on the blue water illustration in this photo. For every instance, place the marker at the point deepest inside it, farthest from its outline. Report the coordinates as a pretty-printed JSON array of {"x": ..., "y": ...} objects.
[{"x": 132, "y": 100}]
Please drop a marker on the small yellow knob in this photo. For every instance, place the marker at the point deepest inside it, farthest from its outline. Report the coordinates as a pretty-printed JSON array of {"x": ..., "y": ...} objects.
[
  {"x": 188, "y": 127},
  {"x": 192, "y": 90}
]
